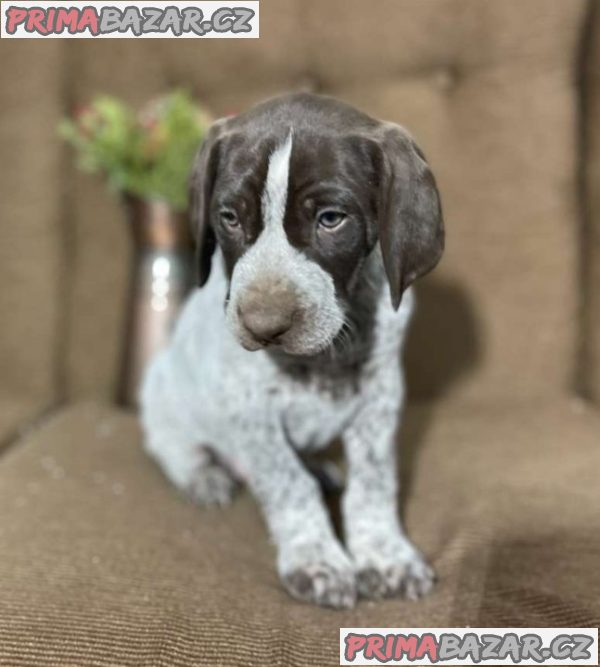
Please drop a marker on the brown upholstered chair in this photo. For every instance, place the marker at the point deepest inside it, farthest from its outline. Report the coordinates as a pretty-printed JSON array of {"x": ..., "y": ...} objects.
[{"x": 101, "y": 563}]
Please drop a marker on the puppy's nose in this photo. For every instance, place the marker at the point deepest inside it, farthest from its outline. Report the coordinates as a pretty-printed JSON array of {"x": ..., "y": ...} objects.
[{"x": 267, "y": 325}]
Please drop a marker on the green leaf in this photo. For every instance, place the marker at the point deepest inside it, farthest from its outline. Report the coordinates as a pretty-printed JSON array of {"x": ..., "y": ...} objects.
[{"x": 148, "y": 154}]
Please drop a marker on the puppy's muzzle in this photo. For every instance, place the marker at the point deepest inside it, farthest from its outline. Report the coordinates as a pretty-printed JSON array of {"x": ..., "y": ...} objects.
[{"x": 268, "y": 314}]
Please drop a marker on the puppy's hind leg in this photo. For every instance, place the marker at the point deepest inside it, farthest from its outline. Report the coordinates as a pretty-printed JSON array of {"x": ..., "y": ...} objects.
[
  {"x": 173, "y": 437},
  {"x": 213, "y": 483},
  {"x": 193, "y": 468}
]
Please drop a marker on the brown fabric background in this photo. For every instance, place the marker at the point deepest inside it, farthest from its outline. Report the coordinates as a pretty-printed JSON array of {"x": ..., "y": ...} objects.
[
  {"x": 31, "y": 253},
  {"x": 590, "y": 366},
  {"x": 491, "y": 97},
  {"x": 103, "y": 564}
]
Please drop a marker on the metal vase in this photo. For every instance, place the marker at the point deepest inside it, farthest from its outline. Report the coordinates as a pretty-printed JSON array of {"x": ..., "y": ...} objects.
[{"x": 161, "y": 277}]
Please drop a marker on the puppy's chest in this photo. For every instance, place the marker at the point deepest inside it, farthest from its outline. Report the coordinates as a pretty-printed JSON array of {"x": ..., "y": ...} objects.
[{"x": 312, "y": 419}]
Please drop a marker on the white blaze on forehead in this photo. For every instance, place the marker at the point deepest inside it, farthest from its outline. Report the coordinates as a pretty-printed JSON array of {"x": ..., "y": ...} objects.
[
  {"x": 274, "y": 196},
  {"x": 272, "y": 263}
]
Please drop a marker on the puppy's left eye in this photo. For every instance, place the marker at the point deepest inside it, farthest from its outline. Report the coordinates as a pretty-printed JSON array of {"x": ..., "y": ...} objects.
[
  {"x": 331, "y": 218},
  {"x": 229, "y": 217}
]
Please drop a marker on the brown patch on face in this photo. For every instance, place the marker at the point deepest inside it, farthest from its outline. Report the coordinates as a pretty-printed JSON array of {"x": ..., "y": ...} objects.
[
  {"x": 237, "y": 193},
  {"x": 333, "y": 173}
]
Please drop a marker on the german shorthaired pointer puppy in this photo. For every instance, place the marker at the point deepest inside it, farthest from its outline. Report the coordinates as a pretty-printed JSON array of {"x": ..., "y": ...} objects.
[{"x": 311, "y": 221}]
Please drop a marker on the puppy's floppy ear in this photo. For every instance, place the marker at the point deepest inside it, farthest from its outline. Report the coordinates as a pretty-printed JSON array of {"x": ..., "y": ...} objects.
[
  {"x": 411, "y": 229},
  {"x": 201, "y": 184}
]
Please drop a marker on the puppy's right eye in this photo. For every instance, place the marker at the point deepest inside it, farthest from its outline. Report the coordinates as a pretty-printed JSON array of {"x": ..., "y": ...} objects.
[
  {"x": 229, "y": 218},
  {"x": 331, "y": 219}
]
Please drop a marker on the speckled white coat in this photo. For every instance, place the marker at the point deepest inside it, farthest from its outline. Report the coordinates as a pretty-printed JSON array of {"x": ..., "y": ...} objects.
[
  {"x": 215, "y": 412},
  {"x": 210, "y": 408}
]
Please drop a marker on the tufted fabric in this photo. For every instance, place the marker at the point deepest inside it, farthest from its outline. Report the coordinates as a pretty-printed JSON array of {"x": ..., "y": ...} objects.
[
  {"x": 590, "y": 241},
  {"x": 103, "y": 564},
  {"x": 31, "y": 219},
  {"x": 490, "y": 96}
]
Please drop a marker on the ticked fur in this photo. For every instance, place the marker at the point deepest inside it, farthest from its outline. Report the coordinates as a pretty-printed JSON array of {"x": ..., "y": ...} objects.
[{"x": 217, "y": 408}]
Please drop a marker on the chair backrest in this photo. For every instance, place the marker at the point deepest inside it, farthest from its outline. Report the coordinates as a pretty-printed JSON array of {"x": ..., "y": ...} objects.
[
  {"x": 490, "y": 91},
  {"x": 32, "y": 287}
]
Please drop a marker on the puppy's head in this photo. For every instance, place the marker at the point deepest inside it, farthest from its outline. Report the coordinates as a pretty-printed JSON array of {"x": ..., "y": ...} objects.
[{"x": 297, "y": 192}]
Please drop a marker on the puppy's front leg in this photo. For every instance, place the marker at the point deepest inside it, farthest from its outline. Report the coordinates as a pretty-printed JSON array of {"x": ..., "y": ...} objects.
[
  {"x": 386, "y": 562},
  {"x": 311, "y": 562}
]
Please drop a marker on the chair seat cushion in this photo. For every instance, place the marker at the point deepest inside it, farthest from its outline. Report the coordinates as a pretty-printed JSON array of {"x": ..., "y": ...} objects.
[{"x": 103, "y": 563}]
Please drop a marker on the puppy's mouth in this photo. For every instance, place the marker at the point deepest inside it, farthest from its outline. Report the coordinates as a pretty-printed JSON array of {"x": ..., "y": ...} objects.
[
  {"x": 301, "y": 334},
  {"x": 295, "y": 343}
]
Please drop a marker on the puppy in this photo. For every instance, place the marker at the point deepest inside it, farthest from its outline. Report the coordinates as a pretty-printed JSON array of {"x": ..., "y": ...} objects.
[{"x": 311, "y": 221}]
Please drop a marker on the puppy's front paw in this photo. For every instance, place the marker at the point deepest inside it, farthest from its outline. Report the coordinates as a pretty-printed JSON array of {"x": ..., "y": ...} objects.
[
  {"x": 321, "y": 576},
  {"x": 406, "y": 573}
]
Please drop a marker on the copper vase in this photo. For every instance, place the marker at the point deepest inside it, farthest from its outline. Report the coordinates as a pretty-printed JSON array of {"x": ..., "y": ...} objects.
[{"x": 161, "y": 277}]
